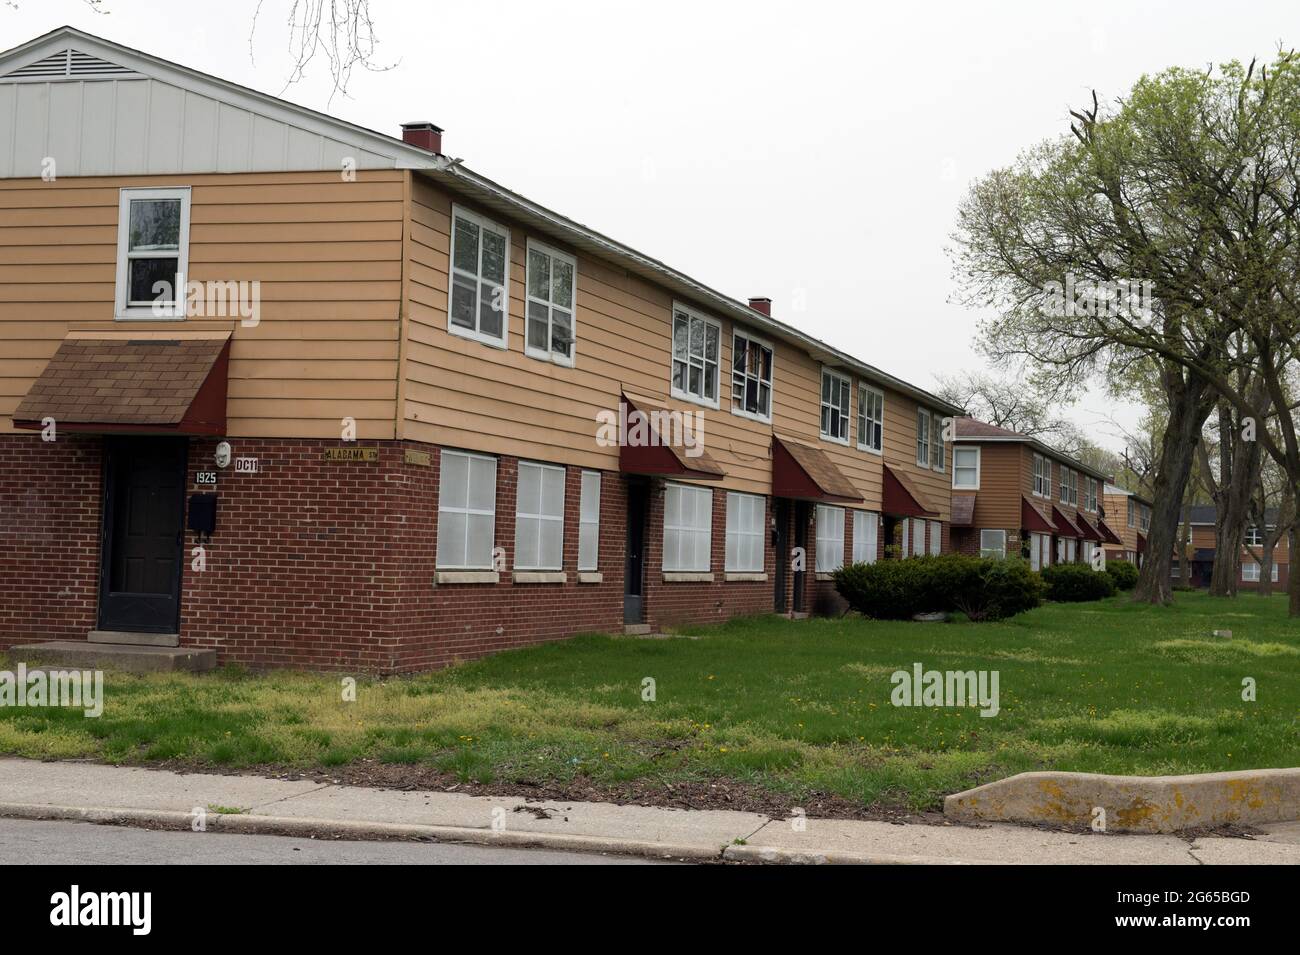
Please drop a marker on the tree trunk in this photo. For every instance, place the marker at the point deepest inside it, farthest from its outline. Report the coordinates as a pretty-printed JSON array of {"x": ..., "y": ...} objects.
[
  {"x": 1266, "y": 570},
  {"x": 1293, "y": 579},
  {"x": 1184, "y": 549},
  {"x": 1189, "y": 406},
  {"x": 1240, "y": 474}
]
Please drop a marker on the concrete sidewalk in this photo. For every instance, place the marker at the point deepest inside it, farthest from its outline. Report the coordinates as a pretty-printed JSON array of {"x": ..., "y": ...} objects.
[{"x": 160, "y": 799}]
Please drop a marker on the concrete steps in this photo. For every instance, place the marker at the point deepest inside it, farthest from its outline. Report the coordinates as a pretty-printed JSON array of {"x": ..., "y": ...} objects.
[
  {"x": 137, "y": 639},
  {"x": 85, "y": 655}
]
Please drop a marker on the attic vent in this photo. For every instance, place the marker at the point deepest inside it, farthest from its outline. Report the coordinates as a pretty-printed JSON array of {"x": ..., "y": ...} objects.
[{"x": 69, "y": 64}]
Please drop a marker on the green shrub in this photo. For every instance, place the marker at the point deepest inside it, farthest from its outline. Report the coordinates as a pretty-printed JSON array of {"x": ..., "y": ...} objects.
[
  {"x": 1076, "y": 582},
  {"x": 1123, "y": 573},
  {"x": 979, "y": 587}
]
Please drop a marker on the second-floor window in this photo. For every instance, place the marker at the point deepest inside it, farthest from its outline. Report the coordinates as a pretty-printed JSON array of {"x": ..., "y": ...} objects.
[
  {"x": 1074, "y": 487},
  {"x": 966, "y": 468},
  {"x": 835, "y": 407},
  {"x": 1255, "y": 537},
  {"x": 1146, "y": 518},
  {"x": 936, "y": 442},
  {"x": 696, "y": 346},
  {"x": 1092, "y": 494},
  {"x": 153, "y": 247},
  {"x": 751, "y": 377},
  {"x": 480, "y": 262},
  {"x": 1131, "y": 521},
  {"x": 1065, "y": 483},
  {"x": 1042, "y": 476},
  {"x": 552, "y": 280},
  {"x": 871, "y": 419},
  {"x": 922, "y": 437}
]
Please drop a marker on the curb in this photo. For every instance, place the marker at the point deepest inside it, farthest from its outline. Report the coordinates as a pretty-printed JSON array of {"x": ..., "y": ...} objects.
[
  {"x": 1146, "y": 804},
  {"x": 178, "y": 820}
]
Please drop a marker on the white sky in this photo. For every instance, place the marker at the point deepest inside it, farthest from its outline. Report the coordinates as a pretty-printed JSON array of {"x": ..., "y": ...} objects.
[{"x": 812, "y": 152}]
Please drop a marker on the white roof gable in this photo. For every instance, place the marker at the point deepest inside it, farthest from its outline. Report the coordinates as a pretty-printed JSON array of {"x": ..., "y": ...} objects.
[{"x": 97, "y": 108}]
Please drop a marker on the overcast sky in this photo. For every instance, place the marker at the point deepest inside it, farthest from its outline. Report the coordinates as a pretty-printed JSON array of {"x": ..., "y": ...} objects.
[{"x": 813, "y": 152}]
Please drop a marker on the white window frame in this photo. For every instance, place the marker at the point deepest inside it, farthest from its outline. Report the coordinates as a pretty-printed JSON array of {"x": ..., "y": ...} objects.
[
  {"x": 694, "y": 531},
  {"x": 754, "y": 531},
  {"x": 1042, "y": 476},
  {"x": 1074, "y": 487},
  {"x": 1250, "y": 572},
  {"x": 740, "y": 410},
  {"x": 549, "y": 354},
  {"x": 1131, "y": 517},
  {"x": 538, "y": 518},
  {"x": 830, "y": 532},
  {"x": 918, "y": 537},
  {"x": 589, "y": 562},
  {"x": 460, "y": 212},
  {"x": 863, "y": 390},
  {"x": 938, "y": 452},
  {"x": 1092, "y": 495},
  {"x": 1254, "y": 536},
  {"x": 999, "y": 549},
  {"x": 695, "y": 315},
  {"x": 957, "y": 450},
  {"x": 444, "y": 507},
  {"x": 935, "y": 530},
  {"x": 866, "y": 536},
  {"x": 1064, "y": 487},
  {"x": 1040, "y": 550},
  {"x": 122, "y": 309},
  {"x": 922, "y": 438},
  {"x": 840, "y": 386}
]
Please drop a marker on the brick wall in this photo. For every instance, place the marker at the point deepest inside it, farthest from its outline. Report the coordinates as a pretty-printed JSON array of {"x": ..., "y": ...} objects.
[{"x": 50, "y": 495}]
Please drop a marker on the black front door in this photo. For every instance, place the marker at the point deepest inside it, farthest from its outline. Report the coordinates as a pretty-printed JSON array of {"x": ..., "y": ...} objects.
[
  {"x": 638, "y": 505},
  {"x": 781, "y": 546},
  {"x": 802, "y": 514},
  {"x": 144, "y": 502}
]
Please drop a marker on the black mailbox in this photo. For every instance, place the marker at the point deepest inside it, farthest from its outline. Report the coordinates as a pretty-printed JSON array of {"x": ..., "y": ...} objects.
[{"x": 203, "y": 514}]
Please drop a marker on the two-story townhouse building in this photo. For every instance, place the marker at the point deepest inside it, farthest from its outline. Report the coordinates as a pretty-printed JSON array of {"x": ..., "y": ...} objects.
[
  {"x": 1203, "y": 518},
  {"x": 1015, "y": 495},
  {"x": 1129, "y": 515},
  {"x": 283, "y": 387}
]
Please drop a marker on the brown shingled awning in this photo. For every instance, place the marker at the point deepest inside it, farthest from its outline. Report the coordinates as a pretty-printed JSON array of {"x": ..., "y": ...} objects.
[
  {"x": 807, "y": 474},
  {"x": 1065, "y": 526},
  {"x": 963, "y": 510},
  {"x": 1108, "y": 535},
  {"x": 657, "y": 440},
  {"x": 1032, "y": 518},
  {"x": 901, "y": 497},
  {"x": 1089, "y": 532},
  {"x": 141, "y": 382}
]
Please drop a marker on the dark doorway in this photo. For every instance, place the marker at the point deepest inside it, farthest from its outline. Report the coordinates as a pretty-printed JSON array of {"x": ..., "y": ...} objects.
[
  {"x": 781, "y": 547},
  {"x": 802, "y": 510},
  {"x": 638, "y": 506},
  {"x": 144, "y": 504}
]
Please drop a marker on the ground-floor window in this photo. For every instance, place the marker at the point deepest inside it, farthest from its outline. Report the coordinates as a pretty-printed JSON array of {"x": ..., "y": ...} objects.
[
  {"x": 539, "y": 517},
  {"x": 936, "y": 537},
  {"x": 1250, "y": 572},
  {"x": 918, "y": 537},
  {"x": 830, "y": 538},
  {"x": 993, "y": 543},
  {"x": 1040, "y": 551},
  {"x": 589, "y": 521},
  {"x": 745, "y": 531},
  {"x": 865, "y": 524},
  {"x": 467, "y": 488},
  {"x": 688, "y": 524}
]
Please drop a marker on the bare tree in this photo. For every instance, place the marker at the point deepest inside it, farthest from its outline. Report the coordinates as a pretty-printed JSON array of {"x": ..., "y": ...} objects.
[
  {"x": 1014, "y": 405},
  {"x": 340, "y": 31}
]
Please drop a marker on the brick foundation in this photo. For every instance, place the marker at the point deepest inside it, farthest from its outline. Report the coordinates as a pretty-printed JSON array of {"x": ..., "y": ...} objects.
[{"x": 320, "y": 564}]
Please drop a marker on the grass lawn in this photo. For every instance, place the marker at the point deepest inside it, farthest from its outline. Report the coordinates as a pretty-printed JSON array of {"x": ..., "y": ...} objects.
[{"x": 790, "y": 707}]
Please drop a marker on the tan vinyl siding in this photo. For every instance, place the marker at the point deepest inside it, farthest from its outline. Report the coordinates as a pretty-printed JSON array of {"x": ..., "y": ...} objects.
[
  {"x": 328, "y": 255},
  {"x": 997, "y": 502}
]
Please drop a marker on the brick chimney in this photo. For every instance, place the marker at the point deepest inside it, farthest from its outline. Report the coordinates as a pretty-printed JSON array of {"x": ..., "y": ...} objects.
[
  {"x": 763, "y": 305},
  {"x": 425, "y": 135}
]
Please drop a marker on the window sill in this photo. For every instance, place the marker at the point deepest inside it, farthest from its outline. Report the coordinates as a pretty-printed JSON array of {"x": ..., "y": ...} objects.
[
  {"x": 824, "y": 577},
  {"x": 751, "y": 416},
  {"x": 695, "y": 399},
  {"x": 540, "y": 577},
  {"x": 467, "y": 577},
  {"x": 474, "y": 336},
  {"x": 737, "y": 576},
  {"x": 590, "y": 577},
  {"x": 687, "y": 577}
]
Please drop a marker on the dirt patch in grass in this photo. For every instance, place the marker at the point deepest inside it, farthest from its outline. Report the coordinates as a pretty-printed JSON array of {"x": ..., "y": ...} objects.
[{"x": 694, "y": 794}]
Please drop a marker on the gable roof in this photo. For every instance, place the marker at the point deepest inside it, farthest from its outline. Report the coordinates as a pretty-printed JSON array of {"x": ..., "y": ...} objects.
[
  {"x": 971, "y": 429},
  {"x": 383, "y": 151}
]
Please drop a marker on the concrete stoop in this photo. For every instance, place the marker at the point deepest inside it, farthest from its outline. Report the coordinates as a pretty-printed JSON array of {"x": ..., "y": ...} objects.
[
  {"x": 118, "y": 656},
  {"x": 1134, "y": 803}
]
